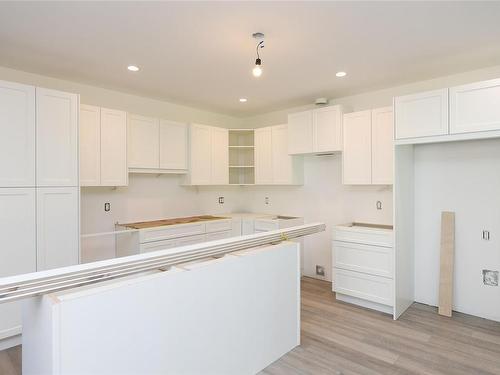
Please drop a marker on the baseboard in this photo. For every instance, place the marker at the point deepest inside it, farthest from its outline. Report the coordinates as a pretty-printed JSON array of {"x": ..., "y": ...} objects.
[
  {"x": 364, "y": 303},
  {"x": 9, "y": 342}
]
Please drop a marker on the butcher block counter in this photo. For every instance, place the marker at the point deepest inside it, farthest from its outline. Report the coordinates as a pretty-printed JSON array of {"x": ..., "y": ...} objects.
[{"x": 163, "y": 222}]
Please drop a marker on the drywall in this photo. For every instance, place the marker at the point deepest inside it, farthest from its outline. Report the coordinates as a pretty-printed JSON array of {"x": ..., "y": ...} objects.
[{"x": 462, "y": 177}]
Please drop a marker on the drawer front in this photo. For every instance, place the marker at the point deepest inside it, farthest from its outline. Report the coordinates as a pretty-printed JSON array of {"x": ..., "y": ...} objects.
[
  {"x": 191, "y": 240},
  {"x": 363, "y": 236},
  {"x": 368, "y": 287},
  {"x": 168, "y": 232},
  {"x": 218, "y": 235},
  {"x": 265, "y": 225},
  {"x": 219, "y": 225},
  {"x": 157, "y": 245},
  {"x": 374, "y": 260}
]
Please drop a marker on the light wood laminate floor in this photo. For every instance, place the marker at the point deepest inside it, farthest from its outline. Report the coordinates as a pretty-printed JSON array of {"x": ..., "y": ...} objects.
[{"x": 338, "y": 338}]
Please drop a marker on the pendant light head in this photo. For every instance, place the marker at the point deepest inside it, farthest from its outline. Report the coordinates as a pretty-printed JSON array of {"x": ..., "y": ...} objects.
[{"x": 257, "y": 70}]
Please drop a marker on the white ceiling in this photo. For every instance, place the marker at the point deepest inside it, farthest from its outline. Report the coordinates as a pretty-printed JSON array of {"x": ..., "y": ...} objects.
[{"x": 202, "y": 53}]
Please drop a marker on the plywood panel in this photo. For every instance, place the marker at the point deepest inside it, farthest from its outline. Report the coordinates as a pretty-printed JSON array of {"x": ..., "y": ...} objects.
[{"x": 446, "y": 264}]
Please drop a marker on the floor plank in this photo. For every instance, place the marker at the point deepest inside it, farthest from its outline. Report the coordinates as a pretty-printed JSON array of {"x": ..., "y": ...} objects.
[{"x": 343, "y": 339}]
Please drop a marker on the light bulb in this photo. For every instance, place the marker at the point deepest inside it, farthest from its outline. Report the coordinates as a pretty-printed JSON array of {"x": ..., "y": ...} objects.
[{"x": 257, "y": 71}]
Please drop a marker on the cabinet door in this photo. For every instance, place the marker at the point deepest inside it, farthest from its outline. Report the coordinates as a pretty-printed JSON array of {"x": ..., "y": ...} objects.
[
  {"x": 143, "y": 142},
  {"x": 356, "y": 157},
  {"x": 263, "y": 156},
  {"x": 382, "y": 146},
  {"x": 57, "y": 227},
  {"x": 90, "y": 145},
  {"x": 17, "y": 248},
  {"x": 220, "y": 156},
  {"x": 475, "y": 107},
  {"x": 17, "y": 135},
  {"x": 282, "y": 164},
  {"x": 421, "y": 115},
  {"x": 300, "y": 133},
  {"x": 173, "y": 145},
  {"x": 114, "y": 170},
  {"x": 327, "y": 129},
  {"x": 56, "y": 138},
  {"x": 201, "y": 150}
]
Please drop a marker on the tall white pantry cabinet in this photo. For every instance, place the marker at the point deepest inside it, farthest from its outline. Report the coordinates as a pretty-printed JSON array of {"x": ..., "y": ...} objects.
[{"x": 39, "y": 187}]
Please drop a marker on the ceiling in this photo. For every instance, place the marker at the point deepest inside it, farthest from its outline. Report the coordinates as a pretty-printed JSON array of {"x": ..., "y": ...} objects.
[{"x": 201, "y": 53}]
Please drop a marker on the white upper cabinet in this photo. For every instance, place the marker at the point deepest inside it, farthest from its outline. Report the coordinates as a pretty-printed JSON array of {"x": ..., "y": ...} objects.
[
  {"x": 356, "y": 157},
  {"x": 56, "y": 138},
  {"x": 263, "y": 156},
  {"x": 17, "y": 135},
  {"x": 273, "y": 165},
  {"x": 143, "y": 142},
  {"x": 173, "y": 145},
  {"x": 113, "y": 151},
  {"x": 422, "y": 115},
  {"x": 201, "y": 151},
  {"x": 57, "y": 227},
  {"x": 300, "y": 135},
  {"x": 475, "y": 107},
  {"x": 90, "y": 145},
  {"x": 315, "y": 131},
  {"x": 327, "y": 126},
  {"x": 220, "y": 156},
  {"x": 382, "y": 146}
]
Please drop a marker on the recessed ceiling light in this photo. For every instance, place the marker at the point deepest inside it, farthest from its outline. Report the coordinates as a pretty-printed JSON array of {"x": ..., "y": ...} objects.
[
  {"x": 341, "y": 74},
  {"x": 243, "y": 100},
  {"x": 133, "y": 68}
]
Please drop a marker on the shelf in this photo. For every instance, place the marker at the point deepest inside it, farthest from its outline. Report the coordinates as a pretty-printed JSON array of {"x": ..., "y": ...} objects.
[{"x": 241, "y": 166}]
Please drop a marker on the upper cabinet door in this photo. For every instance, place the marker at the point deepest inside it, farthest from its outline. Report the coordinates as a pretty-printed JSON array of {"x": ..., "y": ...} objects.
[
  {"x": 17, "y": 135},
  {"x": 220, "y": 156},
  {"x": 56, "y": 138},
  {"x": 201, "y": 151},
  {"x": 282, "y": 162},
  {"x": 57, "y": 227},
  {"x": 382, "y": 146},
  {"x": 173, "y": 145},
  {"x": 475, "y": 107},
  {"x": 356, "y": 157},
  {"x": 143, "y": 142},
  {"x": 421, "y": 115},
  {"x": 114, "y": 171},
  {"x": 264, "y": 156},
  {"x": 90, "y": 145},
  {"x": 327, "y": 129},
  {"x": 300, "y": 133}
]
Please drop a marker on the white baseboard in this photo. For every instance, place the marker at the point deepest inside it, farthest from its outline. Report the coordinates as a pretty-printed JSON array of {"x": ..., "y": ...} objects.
[{"x": 364, "y": 303}]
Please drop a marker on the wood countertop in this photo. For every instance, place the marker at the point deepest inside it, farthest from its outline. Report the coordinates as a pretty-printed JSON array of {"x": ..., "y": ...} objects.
[{"x": 175, "y": 221}]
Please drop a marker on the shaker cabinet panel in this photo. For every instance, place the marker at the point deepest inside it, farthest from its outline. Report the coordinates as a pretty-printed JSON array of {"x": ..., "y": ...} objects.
[
  {"x": 282, "y": 163},
  {"x": 300, "y": 134},
  {"x": 263, "y": 156},
  {"x": 173, "y": 145},
  {"x": 327, "y": 129},
  {"x": 17, "y": 135},
  {"x": 90, "y": 145},
  {"x": 143, "y": 142},
  {"x": 114, "y": 171},
  {"x": 220, "y": 156},
  {"x": 356, "y": 157},
  {"x": 56, "y": 138},
  {"x": 201, "y": 151},
  {"x": 382, "y": 146}
]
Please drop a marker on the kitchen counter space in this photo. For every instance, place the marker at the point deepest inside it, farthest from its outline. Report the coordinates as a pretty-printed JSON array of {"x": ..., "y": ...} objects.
[{"x": 174, "y": 221}]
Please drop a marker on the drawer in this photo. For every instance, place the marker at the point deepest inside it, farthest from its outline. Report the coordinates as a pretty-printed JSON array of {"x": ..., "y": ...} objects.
[
  {"x": 219, "y": 226},
  {"x": 218, "y": 235},
  {"x": 374, "y": 260},
  {"x": 368, "y": 287},
  {"x": 168, "y": 232},
  {"x": 191, "y": 240},
  {"x": 157, "y": 245},
  {"x": 364, "y": 236},
  {"x": 265, "y": 225}
]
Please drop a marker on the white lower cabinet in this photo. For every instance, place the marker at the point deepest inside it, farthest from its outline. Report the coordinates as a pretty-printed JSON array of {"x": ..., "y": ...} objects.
[
  {"x": 57, "y": 227},
  {"x": 363, "y": 266},
  {"x": 18, "y": 249},
  {"x": 218, "y": 235}
]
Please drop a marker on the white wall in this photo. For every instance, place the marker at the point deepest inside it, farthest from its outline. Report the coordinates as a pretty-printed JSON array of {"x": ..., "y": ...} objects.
[{"x": 463, "y": 177}]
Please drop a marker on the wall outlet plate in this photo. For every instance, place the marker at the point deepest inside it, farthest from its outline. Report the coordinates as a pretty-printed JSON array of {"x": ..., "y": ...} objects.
[
  {"x": 266, "y": 200},
  {"x": 221, "y": 200},
  {"x": 320, "y": 270},
  {"x": 107, "y": 206},
  {"x": 490, "y": 278}
]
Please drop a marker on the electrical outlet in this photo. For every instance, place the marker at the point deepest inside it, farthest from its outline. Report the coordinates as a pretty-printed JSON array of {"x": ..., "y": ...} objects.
[
  {"x": 107, "y": 206},
  {"x": 490, "y": 277},
  {"x": 266, "y": 200},
  {"x": 320, "y": 270},
  {"x": 221, "y": 200},
  {"x": 486, "y": 235},
  {"x": 379, "y": 205}
]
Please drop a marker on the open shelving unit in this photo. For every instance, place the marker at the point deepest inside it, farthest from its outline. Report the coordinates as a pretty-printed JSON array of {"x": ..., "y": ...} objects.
[{"x": 241, "y": 157}]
